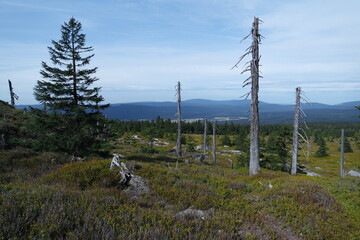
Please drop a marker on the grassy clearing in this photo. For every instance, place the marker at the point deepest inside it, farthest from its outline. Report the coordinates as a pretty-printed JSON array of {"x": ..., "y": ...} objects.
[{"x": 330, "y": 166}]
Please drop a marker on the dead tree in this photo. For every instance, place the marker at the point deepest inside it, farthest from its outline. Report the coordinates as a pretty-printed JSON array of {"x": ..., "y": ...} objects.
[
  {"x": 214, "y": 142},
  {"x": 125, "y": 173},
  {"x": 299, "y": 114},
  {"x": 296, "y": 132},
  {"x": 178, "y": 142},
  {"x": 13, "y": 96},
  {"x": 253, "y": 80},
  {"x": 205, "y": 139},
  {"x": 342, "y": 169}
]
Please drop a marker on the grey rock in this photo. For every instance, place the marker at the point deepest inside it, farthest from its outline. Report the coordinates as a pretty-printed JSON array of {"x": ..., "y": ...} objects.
[{"x": 354, "y": 173}]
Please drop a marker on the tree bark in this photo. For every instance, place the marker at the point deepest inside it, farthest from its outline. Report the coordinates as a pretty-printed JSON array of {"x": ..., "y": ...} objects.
[
  {"x": 205, "y": 137},
  {"x": 254, "y": 167},
  {"x": 342, "y": 169},
  {"x": 296, "y": 132},
  {"x": 12, "y": 97},
  {"x": 178, "y": 143},
  {"x": 214, "y": 142}
]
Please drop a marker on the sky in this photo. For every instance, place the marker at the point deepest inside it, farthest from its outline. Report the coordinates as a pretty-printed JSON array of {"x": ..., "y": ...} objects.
[{"x": 144, "y": 47}]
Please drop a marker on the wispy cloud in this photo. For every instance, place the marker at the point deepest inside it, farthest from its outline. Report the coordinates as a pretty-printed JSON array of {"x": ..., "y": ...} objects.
[{"x": 35, "y": 6}]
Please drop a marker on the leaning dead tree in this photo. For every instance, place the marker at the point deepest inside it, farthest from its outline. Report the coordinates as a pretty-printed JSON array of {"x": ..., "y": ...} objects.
[
  {"x": 299, "y": 115},
  {"x": 178, "y": 142},
  {"x": 253, "y": 80},
  {"x": 13, "y": 96},
  {"x": 342, "y": 166},
  {"x": 214, "y": 142}
]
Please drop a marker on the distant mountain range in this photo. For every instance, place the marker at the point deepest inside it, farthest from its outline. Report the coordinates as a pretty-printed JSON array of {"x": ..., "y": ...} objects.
[{"x": 234, "y": 110}]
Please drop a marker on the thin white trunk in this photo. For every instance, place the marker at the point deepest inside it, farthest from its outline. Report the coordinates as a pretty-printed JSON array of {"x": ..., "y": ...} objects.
[
  {"x": 178, "y": 142},
  {"x": 342, "y": 169},
  {"x": 296, "y": 132},
  {"x": 214, "y": 142},
  {"x": 308, "y": 151},
  {"x": 254, "y": 167},
  {"x": 205, "y": 136}
]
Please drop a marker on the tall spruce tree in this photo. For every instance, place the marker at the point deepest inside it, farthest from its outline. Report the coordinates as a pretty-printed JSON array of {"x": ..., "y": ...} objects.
[{"x": 72, "y": 117}]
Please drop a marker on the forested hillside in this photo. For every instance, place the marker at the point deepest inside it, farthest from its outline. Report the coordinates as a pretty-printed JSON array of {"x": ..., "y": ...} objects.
[
  {"x": 52, "y": 195},
  {"x": 236, "y": 111}
]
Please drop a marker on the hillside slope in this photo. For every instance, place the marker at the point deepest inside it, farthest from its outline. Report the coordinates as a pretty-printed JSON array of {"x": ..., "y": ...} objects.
[
  {"x": 46, "y": 195},
  {"x": 40, "y": 198}
]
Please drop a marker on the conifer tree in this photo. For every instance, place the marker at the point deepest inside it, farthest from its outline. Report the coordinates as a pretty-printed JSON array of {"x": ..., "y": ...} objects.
[
  {"x": 66, "y": 84},
  {"x": 69, "y": 100},
  {"x": 347, "y": 146},
  {"x": 322, "y": 151}
]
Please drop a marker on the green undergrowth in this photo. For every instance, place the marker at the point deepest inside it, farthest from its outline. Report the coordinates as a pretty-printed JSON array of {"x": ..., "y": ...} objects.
[{"x": 83, "y": 200}]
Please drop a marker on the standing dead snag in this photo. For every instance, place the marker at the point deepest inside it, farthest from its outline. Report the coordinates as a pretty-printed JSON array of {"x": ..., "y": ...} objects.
[
  {"x": 296, "y": 132},
  {"x": 178, "y": 142},
  {"x": 13, "y": 96},
  {"x": 342, "y": 169},
  {"x": 253, "y": 67},
  {"x": 214, "y": 142},
  {"x": 205, "y": 141},
  {"x": 299, "y": 113}
]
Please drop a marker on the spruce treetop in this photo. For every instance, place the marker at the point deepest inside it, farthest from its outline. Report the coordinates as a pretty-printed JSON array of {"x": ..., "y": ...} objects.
[{"x": 67, "y": 83}]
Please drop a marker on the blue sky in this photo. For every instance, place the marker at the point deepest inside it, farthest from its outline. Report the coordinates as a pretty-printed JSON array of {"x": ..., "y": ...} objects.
[{"x": 143, "y": 47}]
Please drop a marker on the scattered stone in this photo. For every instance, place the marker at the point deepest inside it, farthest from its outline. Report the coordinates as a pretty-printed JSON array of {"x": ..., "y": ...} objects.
[
  {"x": 312, "y": 174},
  {"x": 136, "y": 137},
  {"x": 137, "y": 186},
  {"x": 192, "y": 213},
  {"x": 199, "y": 147},
  {"x": 354, "y": 173},
  {"x": 232, "y": 151},
  {"x": 318, "y": 168}
]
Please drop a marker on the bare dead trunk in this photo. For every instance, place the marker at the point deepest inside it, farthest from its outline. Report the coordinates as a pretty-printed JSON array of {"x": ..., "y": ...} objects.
[
  {"x": 254, "y": 167},
  {"x": 205, "y": 137},
  {"x": 178, "y": 142},
  {"x": 308, "y": 151},
  {"x": 214, "y": 142},
  {"x": 342, "y": 169},
  {"x": 296, "y": 132},
  {"x": 12, "y": 94}
]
